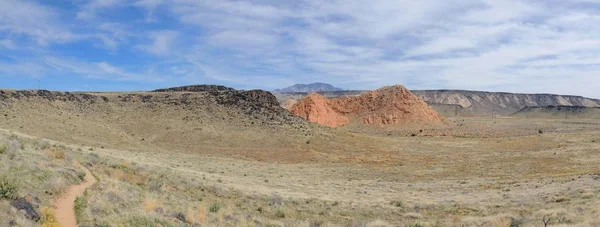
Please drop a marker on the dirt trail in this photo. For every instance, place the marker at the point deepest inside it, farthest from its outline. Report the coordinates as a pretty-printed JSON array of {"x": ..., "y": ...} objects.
[{"x": 65, "y": 205}]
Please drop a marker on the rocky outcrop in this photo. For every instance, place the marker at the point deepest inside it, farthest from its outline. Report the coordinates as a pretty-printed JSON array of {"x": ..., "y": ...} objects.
[
  {"x": 196, "y": 88},
  {"x": 388, "y": 106},
  {"x": 394, "y": 105},
  {"x": 51, "y": 96},
  {"x": 316, "y": 108}
]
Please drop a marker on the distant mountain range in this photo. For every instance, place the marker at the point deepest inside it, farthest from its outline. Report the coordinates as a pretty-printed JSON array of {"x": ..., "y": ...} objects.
[
  {"x": 469, "y": 103},
  {"x": 314, "y": 87}
]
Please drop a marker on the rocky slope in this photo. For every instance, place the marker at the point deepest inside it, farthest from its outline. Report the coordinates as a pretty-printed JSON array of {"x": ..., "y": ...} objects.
[
  {"x": 314, "y": 87},
  {"x": 394, "y": 105}
]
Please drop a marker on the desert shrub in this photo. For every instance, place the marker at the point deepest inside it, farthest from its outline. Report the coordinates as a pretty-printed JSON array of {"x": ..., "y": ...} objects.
[
  {"x": 9, "y": 187},
  {"x": 279, "y": 214},
  {"x": 56, "y": 185},
  {"x": 43, "y": 145},
  {"x": 81, "y": 175},
  {"x": 516, "y": 223},
  {"x": 80, "y": 205},
  {"x": 3, "y": 148},
  {"x": 49, "y": 218},
  {"x": 214, "y": 208},
  {"x": 397, "y": 203},
  {"x": 155, "y": 185},
  {"x": 275, "y": 200},
  {"x": 93, "y": 157}
]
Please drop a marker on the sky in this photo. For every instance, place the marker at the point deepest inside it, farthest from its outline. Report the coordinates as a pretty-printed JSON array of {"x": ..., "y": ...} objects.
[{"x": 535, "y": 46}]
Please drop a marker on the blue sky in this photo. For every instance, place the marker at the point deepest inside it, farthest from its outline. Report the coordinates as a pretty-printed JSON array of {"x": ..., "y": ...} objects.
[{"x": 536, "y": 46}]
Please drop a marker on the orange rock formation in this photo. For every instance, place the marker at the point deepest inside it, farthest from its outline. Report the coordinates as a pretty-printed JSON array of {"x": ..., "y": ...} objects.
[
  {"x": 316, "y": 108},
  {"x": 393, "y": 105}
]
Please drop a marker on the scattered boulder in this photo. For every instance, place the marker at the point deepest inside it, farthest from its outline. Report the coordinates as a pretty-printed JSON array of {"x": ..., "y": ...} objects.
[{"x": 27, "y": 208}]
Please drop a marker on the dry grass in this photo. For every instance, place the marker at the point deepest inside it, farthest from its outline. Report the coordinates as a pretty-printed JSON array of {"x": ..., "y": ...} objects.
[
  {"x": 476, "y": 172},
  {"x": 38, "y": 177}
]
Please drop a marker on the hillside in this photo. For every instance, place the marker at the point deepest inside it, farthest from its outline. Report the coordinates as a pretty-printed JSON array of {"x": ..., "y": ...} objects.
[
  {"x": 393, "y": 105},
  {"x": 559, "y": 112},
  {"x": 314, "y": 87},
  {"x": 208, "y": 122}
]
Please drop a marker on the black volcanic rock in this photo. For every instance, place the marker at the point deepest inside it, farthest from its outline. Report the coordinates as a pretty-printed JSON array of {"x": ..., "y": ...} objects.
[
  {"x": 314, "y": 87},
  {"x": 196, "y": 88}
]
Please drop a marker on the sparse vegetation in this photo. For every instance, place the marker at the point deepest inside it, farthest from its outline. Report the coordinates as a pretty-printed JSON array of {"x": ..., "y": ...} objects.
[
  {"x": 9, "y": 187},
  {"x": 214, "y": 208},
  {"x": 80, "y": 206}
]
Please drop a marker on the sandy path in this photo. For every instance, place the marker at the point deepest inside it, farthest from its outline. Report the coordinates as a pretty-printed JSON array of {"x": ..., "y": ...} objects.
[{"x": 65, "y": 205}]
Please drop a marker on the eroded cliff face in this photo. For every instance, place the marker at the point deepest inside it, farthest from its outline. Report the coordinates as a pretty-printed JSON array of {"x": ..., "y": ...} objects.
[
  {"x": 484, "y": 103},
  {"x": 393, "y": 105}
]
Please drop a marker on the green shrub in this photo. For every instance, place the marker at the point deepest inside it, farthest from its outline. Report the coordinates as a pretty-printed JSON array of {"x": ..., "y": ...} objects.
[
  {"x": 9, "y": 188},
  {"x": 3, "y": 148},
  {"x": 81, "y": 175},
  {"x": 80, "y": 205},
  {"x": 214, "y": 208}
]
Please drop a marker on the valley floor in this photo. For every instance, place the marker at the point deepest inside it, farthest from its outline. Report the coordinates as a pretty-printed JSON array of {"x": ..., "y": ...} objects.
[{"x": 479, "y": 172}]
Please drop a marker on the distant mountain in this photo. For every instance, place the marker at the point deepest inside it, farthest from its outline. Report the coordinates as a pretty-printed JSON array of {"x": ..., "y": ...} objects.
[{"x": 314, "y": 87}]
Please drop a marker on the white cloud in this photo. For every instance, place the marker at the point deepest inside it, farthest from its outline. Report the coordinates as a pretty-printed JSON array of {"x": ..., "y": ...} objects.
[
  {"x": 97, "y": 70},
  {"x": 470, "y": 44},
  {"x": 39, "y": 22},
  {"x": 161, "y": 42},
  {"x": 90, "y": 8},
  {"x": 7, "y": 43}
]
